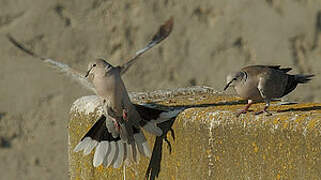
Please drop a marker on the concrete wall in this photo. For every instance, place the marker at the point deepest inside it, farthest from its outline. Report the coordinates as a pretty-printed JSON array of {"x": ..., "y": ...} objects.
[{"x": 211, "y": 143}]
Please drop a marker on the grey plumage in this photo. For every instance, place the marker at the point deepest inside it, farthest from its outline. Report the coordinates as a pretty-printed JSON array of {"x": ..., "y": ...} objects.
[
  {"x": 110, "y": 87},
  {"x": 64, "y": 68},
  {"x": 123, "y": 120},
  {"x": 260, "y": 82},
  {"x": 112, "y": 91},
  {"x": 117, "y": 134}
]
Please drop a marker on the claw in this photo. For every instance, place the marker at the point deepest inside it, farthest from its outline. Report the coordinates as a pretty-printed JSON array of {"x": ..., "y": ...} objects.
[
  {"x": 169, "y": 146},
  {"x": 172, "y": 133},
  {"x": 264, "y": 111}
]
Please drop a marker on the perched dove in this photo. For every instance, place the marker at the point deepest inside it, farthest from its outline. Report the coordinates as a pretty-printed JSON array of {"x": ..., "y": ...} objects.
[
  {"x": 116, "y": 135},
  {"x": 261, "y": 82}
]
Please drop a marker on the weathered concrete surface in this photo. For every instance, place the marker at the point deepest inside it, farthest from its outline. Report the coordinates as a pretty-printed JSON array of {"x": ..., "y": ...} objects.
[{"x": 211, "y": 143}]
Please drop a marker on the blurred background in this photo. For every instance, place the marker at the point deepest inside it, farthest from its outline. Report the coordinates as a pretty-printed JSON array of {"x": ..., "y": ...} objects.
[{"x": 210, "y": 39}]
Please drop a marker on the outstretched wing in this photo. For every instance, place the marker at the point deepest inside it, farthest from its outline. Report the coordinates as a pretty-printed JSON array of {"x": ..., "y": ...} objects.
[
  {"x": 58, "y": 65},
  {"x": 162, "y": 34},
  {"x": 152, "y": 116}
]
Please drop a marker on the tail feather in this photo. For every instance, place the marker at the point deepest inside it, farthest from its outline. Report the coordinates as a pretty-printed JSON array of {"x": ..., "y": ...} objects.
[
  {"x": 114, "y": 159},
  {"x": 294, "y": 80},
  {"x": 142, "y": 144},
  {"x": 151, "y": 125},
  {"x": 300, "y": 78},
  {"x": 90, "y": 146},
  {"x": 111, "y": 149},
  {"x": 110, "y": 156},
  {"x": 152, "y": 116},
  {"x": 101, "y": 152},
  {"x": 120, "y": 158},
  {"x": 83, "y": 144},
  {"x": 130, "y": 155},
  {"x": 146, "y": 149},
  {"x": 167, "y": 115},
  {"x": 152, "y": 128}
]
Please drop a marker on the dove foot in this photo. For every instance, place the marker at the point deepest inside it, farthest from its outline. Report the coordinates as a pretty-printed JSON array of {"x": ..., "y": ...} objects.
[
  {"x": 264, "y": 111},
  {"x": 117, "y": 126},
  {"x": 125, "y": 116},
  {"x": 244, "y": 111}
]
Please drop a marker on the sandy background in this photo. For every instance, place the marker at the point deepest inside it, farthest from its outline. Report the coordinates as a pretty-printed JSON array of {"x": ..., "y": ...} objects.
[{"x": 210, "y": 38}]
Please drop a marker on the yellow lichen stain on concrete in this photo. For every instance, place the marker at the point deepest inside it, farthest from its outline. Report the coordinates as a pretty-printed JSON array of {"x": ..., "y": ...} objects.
[
  {"x": 209, "y": 151},
  {"x": 276, "y": 121},
  {"x": 100, "y": 168},
  {"x": 285, "y": 125},
  {"x": 312, "y": 123},
  {"x": 217, "y": 158},
  {"x": 283, "y": 118},
  {"x": 255, "y": 147},
  {"x": 300, "y": 118}
]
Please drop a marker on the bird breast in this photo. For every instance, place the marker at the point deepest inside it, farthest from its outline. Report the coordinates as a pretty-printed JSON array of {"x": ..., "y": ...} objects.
[{"x": 248, "y": 90}]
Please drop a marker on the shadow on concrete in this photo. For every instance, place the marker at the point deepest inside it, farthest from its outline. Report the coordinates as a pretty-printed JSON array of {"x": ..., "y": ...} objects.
[
  {"x": 300, "y": 109},
  {"x": 230, "y": 103},
  {"x": 154, "y": 166}
]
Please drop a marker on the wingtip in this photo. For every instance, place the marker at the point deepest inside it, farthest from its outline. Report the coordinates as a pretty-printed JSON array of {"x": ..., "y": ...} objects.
[
  {"x": 164, "y": 30},
  {"x": 168, "y": 25}
]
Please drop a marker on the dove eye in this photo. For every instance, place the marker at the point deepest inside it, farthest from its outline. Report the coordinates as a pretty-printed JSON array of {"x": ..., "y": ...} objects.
[{"x": 94, "y": 65}]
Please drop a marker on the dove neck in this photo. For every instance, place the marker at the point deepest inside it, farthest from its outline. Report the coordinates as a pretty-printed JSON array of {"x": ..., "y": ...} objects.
[{"x": 112, "y": 89}]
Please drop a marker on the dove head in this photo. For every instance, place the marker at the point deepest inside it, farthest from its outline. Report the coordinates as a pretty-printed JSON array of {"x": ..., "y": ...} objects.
[
  {"x": 99, "y": 67},
  {"x": 233, "y": 79}
]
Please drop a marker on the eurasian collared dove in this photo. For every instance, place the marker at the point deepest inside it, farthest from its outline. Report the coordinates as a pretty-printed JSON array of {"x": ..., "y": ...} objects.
[
  {"x": 262, "y": 82},
  {"x": 117, "y": 134},
  {"x": 120, "y": 130}
]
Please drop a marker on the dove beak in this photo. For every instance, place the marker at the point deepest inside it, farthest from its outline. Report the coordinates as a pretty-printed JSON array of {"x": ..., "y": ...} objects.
[
  {"x": 87, "y": 74},
  {"x": 228, "y": 84}
]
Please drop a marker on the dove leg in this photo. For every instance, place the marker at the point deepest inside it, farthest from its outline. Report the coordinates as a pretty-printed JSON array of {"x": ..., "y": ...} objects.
[
  {"x": 125, "y": 116},
  {"x": 116, "y": 125},
  {"x": 267, "y": 105},
  {"x": 261, "y": 88},
  {"x": 244, "y": 111}
]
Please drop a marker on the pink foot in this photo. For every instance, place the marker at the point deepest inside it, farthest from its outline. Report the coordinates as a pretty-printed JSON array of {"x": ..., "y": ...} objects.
[
  {"x": 244, "y": 111},
  {"x": 264, "y": 111},
  {"x": 125, "y": 116},
  {"x": 117, "y": 126}
]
